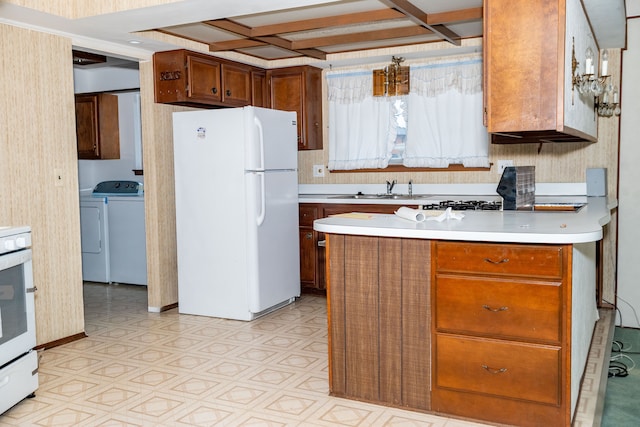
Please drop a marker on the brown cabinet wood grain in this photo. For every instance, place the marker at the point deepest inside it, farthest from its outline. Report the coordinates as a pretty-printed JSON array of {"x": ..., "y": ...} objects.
[
  {"x": 312, "y": 249},
  {"x": 501, "y": 343},
  {"x": 299, "y": 89},
  {"x": 379, "y": 314},
  {"x": 183, "y": 77},
  {"x": 97, "y": 126},
  {"x": 259, "y": 95},
  {"x": 525, "y": 80}
]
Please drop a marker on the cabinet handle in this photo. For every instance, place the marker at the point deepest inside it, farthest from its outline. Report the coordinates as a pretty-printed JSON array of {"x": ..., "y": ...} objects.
[
  {"x": 502, "y": 261},
  {"x": 322, "y": 243},
  {"x": 495, "y": 310},
  {"x": 494, "y": 371},
  {"x": 308, "y": 236},
  {"x": 228, "y": 92},
  {"x": 214, "y": 90}
]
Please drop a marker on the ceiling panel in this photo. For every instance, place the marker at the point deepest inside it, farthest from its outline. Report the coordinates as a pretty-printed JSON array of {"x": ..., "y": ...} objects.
[{"x": 344, "y": 26}]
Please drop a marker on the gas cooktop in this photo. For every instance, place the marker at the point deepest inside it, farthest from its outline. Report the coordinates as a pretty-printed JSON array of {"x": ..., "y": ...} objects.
[{"x": 465, "y": 205}]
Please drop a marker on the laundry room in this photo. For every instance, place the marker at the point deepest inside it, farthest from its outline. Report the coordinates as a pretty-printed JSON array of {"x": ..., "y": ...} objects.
[{"x": 110, "y": 178}]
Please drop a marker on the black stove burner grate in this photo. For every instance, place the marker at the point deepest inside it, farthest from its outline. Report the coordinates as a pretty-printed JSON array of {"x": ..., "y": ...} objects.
[{"x": 465, "y": 205}]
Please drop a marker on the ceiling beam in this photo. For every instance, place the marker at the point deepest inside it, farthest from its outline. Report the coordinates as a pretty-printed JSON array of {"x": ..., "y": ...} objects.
[
  {"x": 243, "y": 30},
  {"x": 455, "y": 16},
  {"x": 391, "y": 33},
  {"x": 421, "y": 18}
]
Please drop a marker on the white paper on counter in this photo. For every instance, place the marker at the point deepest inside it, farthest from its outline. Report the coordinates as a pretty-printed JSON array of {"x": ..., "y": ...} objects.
[
  {"x": 448, "y": 214},
  {"x": 411, "y": 214}
]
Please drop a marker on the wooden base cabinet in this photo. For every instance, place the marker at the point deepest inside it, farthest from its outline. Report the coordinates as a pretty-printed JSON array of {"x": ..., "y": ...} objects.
[
  {"x": 495, "y": 332},
  {"x": 378, "y": 308},
  {"x": 501, "y": 346},
  {"x": 312, "y": 243}
]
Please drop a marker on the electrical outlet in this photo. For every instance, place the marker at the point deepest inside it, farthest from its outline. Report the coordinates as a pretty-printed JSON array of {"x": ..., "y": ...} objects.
[
  {"x": 318, "y": 171},
  {"x": 503, "y": 164}
]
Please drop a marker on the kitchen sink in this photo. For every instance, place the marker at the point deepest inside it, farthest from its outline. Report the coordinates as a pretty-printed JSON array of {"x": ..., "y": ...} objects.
[{"x": 381, "y": 196}]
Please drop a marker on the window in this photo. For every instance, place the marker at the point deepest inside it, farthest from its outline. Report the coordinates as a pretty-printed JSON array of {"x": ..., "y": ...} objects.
[{"x": 439, "y": 123}]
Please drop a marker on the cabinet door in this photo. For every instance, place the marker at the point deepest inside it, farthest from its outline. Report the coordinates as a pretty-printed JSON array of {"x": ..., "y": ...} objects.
[
  {"x": 203, "y": 82},
  {"x": 308, "y": 257},
  {"x": 299, "y": 89},
  {"x": 259, "y": 89},
  {"x": 237, "y": 85},
  {"x": 97, "y": 128},
  {"x": 87, "y": 126},
  {"x": 286, "y": 94}
]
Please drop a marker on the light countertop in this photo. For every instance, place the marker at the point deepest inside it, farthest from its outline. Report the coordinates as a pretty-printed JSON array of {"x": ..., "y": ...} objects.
[{"x": 498, "y": 226}]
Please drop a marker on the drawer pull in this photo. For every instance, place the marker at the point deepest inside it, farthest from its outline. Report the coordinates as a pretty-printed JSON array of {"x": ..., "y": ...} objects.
[
  {"x": 494, "y": 371},
  {"x": 502, "y": 261},
  {"x": 495, "y": 310}
]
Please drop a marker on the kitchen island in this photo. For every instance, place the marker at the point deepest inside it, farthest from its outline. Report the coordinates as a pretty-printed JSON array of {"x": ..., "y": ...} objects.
[{"x": 489, "y": 317}]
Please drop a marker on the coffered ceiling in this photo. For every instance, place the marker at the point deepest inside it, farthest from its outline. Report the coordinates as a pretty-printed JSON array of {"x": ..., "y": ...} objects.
[{"x": 319, "y": 30}]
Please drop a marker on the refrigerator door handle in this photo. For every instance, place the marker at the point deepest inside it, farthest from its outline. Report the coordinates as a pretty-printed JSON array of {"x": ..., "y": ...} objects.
[
  {"x": 258, "y": 124},
  {"x": 263, "y": 200}
]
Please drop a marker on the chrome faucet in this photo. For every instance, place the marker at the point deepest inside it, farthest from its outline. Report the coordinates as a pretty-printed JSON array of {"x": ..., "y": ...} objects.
[
  {"x": 390, "y": 186},
  {"x": 410, "y": 188}
]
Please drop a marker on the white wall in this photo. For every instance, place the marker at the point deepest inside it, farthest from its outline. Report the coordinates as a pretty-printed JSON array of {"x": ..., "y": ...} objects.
[
  {"x": 105, "y": 79},
  {"x": 628, "y": 281}
]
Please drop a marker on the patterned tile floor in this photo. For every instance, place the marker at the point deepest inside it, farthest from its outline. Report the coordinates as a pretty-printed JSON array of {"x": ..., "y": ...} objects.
[{"x": 164, "y": 369}]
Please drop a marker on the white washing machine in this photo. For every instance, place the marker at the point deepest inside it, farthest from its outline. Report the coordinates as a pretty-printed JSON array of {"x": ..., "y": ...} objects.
[
  {"x": 119, "y": 253},
  {"x": 94, "y": 237}
]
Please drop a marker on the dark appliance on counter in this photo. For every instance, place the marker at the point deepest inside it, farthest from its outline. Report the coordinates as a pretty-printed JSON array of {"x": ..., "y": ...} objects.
[{"x": 517, "y": 187}]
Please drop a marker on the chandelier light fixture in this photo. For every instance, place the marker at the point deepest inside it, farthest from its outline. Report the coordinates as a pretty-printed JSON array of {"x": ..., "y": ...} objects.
[
  {"x": 392, "y": 80},
  {"x": 605, "y": 94}
]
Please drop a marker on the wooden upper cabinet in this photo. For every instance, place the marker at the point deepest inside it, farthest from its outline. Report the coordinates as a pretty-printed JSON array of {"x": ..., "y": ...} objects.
[
  {"x": 195, "y": 79},
  {"x": 259, "y": 94},
  {"x": 97, "y": 126},
  {"x": 203, "y": 79},
  {"x": 528, "y": 92},
  {"x": 237, "y": 84},
  {"x": 299, "y": 89}
]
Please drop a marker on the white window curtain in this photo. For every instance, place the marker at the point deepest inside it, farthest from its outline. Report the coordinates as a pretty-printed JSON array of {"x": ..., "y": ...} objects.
[
  {"x": 445, "y": 115},
  {"x": 361, "y": 129},
  {"x": 444, "y": 118}
]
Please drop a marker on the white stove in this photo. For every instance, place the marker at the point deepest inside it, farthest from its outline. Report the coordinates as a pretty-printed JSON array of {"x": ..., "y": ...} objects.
[{"x": 18, "y": 361}]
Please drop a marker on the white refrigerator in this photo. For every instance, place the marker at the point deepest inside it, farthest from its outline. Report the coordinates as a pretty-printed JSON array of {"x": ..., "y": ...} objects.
[{"x": 236, "y": 189}]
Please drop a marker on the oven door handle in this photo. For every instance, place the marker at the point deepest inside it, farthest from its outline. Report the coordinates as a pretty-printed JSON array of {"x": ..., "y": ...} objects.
[{"x": 31, "y": 290}]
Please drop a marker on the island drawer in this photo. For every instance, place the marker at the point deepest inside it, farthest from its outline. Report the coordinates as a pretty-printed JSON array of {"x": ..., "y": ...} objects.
[
  {"x": 498, "y": 307},
  {"x": 496, "y": 368},
  {"x": 543, "y": 261}
]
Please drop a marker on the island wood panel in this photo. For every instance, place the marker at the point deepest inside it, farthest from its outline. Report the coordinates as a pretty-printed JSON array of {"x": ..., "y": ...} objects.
[
  {"x": 416, "y": 318},
  {"x": 362, "y": 358},
  {"x": 379, "y": 316},
  {"x": 390, "y": 319},
  {"x": 336, "y": 314}
]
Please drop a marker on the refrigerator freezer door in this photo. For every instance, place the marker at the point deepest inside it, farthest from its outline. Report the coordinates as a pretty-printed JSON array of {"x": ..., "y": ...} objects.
[
  {"x": 273, "y": 247},
  {"x": 272, "y": 136}
]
